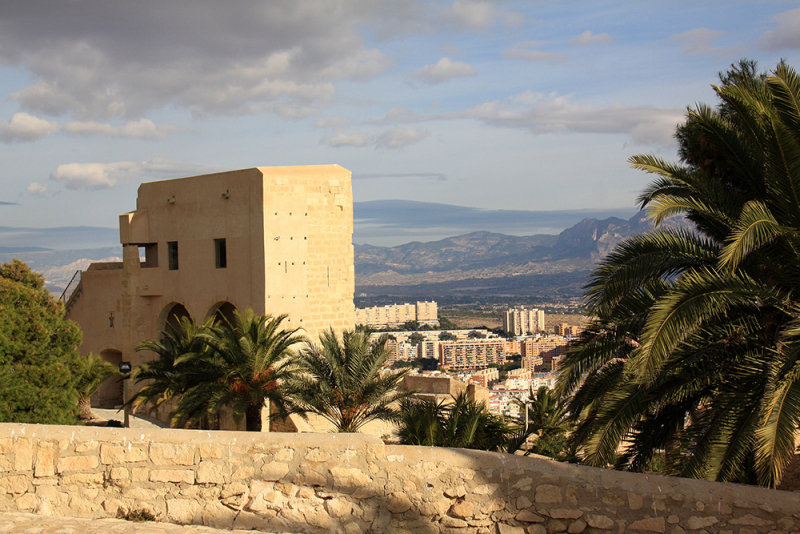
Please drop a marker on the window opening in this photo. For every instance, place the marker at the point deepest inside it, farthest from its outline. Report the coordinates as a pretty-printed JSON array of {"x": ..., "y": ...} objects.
[
  {"x": 221, "y": 253},
  {"x": 172, "y": 253},
  {"x": 148, "y": 255}
]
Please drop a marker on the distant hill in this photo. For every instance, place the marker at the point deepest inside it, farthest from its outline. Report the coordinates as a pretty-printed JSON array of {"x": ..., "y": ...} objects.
[{"x": 491, "y": 263}]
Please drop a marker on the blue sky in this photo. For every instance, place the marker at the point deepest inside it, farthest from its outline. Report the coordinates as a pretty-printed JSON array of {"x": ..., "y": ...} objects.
[{"x": 496, "y": 105}]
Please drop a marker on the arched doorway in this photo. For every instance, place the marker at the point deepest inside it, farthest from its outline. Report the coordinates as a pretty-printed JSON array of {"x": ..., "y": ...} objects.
[
  {"x": 109, "y": 395},
  {"x": 174, "y": 316},
  {"x": 222, "y": 312}
]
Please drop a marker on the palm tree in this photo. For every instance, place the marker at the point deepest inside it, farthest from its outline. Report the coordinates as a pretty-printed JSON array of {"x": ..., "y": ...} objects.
[
  {"x": 166, "y": 377},
  {"x": 246, "y": 364},
  {"x": 93, "y": 372},
  {"x": 695, "y": 347},
  {"x": 208, "y": 367},
  {"x": 343, "y": 381},
  {"x": 461, "y": 422}
]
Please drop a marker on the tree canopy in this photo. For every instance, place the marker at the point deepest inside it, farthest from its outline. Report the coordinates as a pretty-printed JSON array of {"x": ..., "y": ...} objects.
[
  {"x": 694, "y": 350},
  {"x": 39, "y": 362}
]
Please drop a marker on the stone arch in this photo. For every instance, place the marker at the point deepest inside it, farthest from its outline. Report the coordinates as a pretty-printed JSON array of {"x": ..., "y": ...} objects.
[
  {"x": 222, "y": 311},
  {"x": 171, "y": 316},
  {"x": 109, "y": 395}
]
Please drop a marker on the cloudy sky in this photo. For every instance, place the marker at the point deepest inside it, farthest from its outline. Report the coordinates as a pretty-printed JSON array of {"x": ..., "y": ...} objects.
[{"x": 529, "y": 105}]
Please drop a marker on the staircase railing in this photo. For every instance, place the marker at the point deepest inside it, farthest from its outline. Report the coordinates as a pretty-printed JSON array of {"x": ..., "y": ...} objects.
[{"x": 72, "y": 286}]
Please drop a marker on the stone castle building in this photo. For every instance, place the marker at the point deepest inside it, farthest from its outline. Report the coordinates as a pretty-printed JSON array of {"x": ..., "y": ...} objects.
[{"x": 275, "y": 239}]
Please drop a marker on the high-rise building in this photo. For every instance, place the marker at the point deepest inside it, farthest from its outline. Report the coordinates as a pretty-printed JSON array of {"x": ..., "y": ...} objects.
[
  {"x": 395, "y": 315},
  {"x": 471, "y": 353},
  {"x": 522, "y": 321}
]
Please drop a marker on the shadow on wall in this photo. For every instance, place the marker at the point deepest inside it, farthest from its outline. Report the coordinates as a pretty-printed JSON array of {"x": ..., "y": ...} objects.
[{"x": 353, "y": 483}]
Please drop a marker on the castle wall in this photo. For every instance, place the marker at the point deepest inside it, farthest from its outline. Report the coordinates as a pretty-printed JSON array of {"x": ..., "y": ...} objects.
[
  {"x": 288, "y": 249},
  {"x": 320, "y": 483}
]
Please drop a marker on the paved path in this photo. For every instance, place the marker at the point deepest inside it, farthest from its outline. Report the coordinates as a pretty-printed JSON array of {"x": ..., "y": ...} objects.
[
  {"x": 38, "y": 524},
  {"x": 136, "y": 421}
]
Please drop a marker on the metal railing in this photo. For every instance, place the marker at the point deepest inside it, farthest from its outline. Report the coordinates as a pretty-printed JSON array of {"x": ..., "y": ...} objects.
[{"x": 67, "y": 293}]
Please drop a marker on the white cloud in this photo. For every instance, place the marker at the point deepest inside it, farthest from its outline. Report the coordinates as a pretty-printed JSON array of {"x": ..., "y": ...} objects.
[
  {"x": 589, "y": 38},
  {"x": 443, "y": 70},
  {"x": 401, "y": 137},
  {"x": 787, "y": 35},
  {"x": 477, "y": 15},
  {"x": 541, "y": 114},
  {"x": 699, "y": 41},
  {"x": 37, "y": 189},
  {"x": 24, "y": 127},
  {"x": 141, "y": 129},
  {"x": 526, "y": 51},
  {"x": 357, "y": 140},
  {"x": 548, "y": 114},
  {"x": 92, "y": 61},
  {"x": 108, "y": 175}
]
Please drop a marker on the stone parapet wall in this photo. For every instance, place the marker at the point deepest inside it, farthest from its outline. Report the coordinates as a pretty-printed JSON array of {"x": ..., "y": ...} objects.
[{"x": 356, "y": 484}]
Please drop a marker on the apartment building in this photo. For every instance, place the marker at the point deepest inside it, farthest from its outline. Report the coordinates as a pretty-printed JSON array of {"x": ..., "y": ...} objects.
[
  {"x": 471, "y": 353},
  {"x": 395, "y": 315},
  {"x": 522, "y": 321},
  {"x": 543, "y": 352}
]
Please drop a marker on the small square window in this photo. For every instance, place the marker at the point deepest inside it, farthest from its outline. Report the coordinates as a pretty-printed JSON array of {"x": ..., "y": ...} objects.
[
  {"x": 221, "y": 253},
  {"x": 150, "y": 254},
  {"x": 172, "y": 253}
]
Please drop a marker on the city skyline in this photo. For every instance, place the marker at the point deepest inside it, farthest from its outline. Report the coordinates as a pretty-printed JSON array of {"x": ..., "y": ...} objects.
[{"x": 490, "y": 105}]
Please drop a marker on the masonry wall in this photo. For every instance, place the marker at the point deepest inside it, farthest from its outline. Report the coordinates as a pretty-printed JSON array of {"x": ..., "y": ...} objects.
[{"x": 355, "y": 484}]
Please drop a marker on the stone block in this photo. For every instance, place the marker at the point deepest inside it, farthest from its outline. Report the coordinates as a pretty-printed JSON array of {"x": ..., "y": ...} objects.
[
  {"x": 111, "y": 454},
  {"x": 184, "y": 511},
  {"x": 172, "y": 454},
  {"x": 697, "y": 522},
  {"x": 83, "y": 479},
  {"x": 576, "y": 527},
  {"x": 77, "y": 463},
  {"x": 23, "y": 454},
  {"x": 216, "y": 515},
  {"x": 27, "y": 503},
  {"x": 209, "y": 451},
  {"x": 503, "y": 528},
  {"x": 243, "y": 473},
  {"x": 751, "y": 521},
  {"x": 601, "y": 522},
  {"x": 548, "y": 494},
  {"x": 650, "y": 524},
  {"x": 210, "y": 473},
  {"x": 44, "y": 466},
  {"x": 537, "y": 529},
  {"x": 455, "y": 492},
  {"x": 6, "y": 445},
  {"x": 349, "y": 478},
  {"x": 338, "y": 507},
  {"x": 526, "y": 516},
  {"x": 462, "y": 510},
  {"x": 274, "y": 470},
  {"x": 523, "y": 502},
  {"x": 635, "y": 501},
  {"x": 398, "y": 503}
]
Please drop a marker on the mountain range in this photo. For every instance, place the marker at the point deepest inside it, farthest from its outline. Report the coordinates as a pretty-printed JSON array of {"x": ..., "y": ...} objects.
[
  {"x": 483, "y": 263},
  {"x": 489, "y": 263}
]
